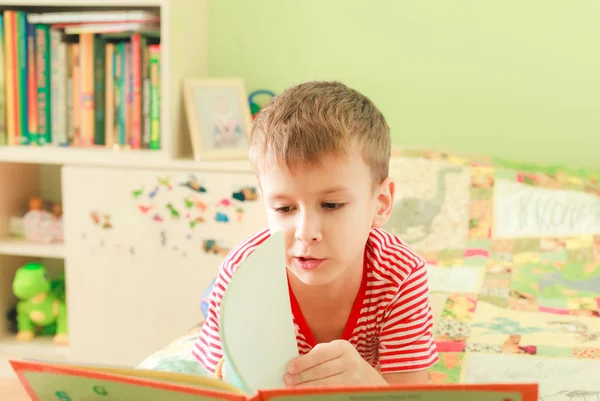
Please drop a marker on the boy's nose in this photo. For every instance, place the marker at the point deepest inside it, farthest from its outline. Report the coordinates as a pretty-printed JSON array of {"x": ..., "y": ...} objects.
[{"x": 308, "y": 230}]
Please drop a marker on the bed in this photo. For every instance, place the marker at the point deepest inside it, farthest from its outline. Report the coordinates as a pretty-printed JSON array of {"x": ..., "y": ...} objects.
[{"x": 513, "y": 254}]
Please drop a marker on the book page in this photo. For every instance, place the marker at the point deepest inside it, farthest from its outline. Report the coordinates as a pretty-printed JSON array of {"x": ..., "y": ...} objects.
[
  {"x": 411, "y": 395},
  {"x": 56, "y": 386},
  {"x": 159, "y": 375},
  {"x": 256, "y": 328},
  {"x": 53, "y": 382},
  {"x": 456, "y": 392}
]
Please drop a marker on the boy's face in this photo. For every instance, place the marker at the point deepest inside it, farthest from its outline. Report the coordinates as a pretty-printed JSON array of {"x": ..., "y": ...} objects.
[{"x": 325, "y": 213}]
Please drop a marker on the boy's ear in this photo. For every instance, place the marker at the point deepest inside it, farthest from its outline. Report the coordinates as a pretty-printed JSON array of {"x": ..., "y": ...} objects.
[{"x": 385, "y": 202}]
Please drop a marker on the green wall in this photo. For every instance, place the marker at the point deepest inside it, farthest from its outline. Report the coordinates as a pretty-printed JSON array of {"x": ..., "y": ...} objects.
[{"x": 515, "y": 79}]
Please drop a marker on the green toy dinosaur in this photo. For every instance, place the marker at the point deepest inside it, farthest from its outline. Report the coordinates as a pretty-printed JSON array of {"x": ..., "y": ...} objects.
[{"x": 42, "y": 303}]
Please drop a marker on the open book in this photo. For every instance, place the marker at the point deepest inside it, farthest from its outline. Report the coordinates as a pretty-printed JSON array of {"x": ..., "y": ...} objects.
[
  {"x": 256, "y": 350},
  {"x": 54, "y": 382}
]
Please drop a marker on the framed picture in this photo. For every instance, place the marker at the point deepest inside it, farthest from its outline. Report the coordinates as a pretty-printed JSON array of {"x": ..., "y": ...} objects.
[{"x": 219, "y": 118}]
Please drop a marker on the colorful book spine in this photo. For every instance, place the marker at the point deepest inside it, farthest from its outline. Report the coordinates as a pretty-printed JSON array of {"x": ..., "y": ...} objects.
[
  {"x": 122, "y": 93},
  {"x": 69, "y": 92},
  {"x": 86, "y": 66},
  {"x": 10, "y": 59},
  {"x": 99, "y": 89},
  {"x": 23, "y": 114},
  {"x": 32, "y": 97},
  {"x": 63, "y": 112},
  {"x": 109, "y": 101},
  {"x": 3, "y": 135},
  {"x": 154, "y": 51},
  {"x": 43, "y": 67},
  {"x": 55, "y": 120},
  {"x": 115, "y": 109},
  {"x": 145, "y": 97},
  {"x": 76, "y": 95},
  {"x": 136, "y": 91},
  {"x": 128, "y": 95}
]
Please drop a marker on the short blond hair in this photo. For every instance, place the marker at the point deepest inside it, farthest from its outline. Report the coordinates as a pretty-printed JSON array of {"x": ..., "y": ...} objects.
[{"x": 314, "y": 119}]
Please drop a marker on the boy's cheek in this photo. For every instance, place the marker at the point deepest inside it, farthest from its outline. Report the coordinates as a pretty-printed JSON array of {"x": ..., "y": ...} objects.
[
  {"x": 272, "y": 218},
  {"x": 277, "y": 224}
]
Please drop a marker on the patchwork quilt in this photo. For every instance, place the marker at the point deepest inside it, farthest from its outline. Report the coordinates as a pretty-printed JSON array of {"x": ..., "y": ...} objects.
[{"x": 513, "y": 256}]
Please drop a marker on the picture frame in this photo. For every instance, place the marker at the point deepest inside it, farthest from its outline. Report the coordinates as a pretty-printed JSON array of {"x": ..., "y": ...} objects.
[{"x": 218, "y": 116}]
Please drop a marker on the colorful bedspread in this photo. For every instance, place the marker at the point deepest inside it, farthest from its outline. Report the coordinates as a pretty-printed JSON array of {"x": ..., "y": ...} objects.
[
  {"x": 513, "y": 255},
  {"x": 514, "y": 263}
]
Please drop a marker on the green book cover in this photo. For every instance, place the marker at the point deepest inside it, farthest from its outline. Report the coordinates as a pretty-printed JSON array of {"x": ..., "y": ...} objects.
[
  {"x": 120, "y": 89},
  {"x": 145, "y": 94},
  {"x": 99, "y": 89},
  {"x": 43, "y": 83},
  {"x": 22, "y": 106},
  {"x": 155, "y": 96}
]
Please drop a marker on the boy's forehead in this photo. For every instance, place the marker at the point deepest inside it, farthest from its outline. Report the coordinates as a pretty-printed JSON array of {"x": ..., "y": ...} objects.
[
  {"x": 330, "y": 173},
  {"x": 333, "y": 161}
]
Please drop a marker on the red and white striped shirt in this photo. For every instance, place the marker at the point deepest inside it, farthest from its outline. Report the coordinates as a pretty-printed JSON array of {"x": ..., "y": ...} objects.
[{"x": 390, "y": 324}]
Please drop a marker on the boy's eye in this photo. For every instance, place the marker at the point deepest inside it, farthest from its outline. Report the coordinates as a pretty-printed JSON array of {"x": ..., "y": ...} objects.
[
  {"x": 332, "y": 205},
  {"x": 283, "y": 209}
]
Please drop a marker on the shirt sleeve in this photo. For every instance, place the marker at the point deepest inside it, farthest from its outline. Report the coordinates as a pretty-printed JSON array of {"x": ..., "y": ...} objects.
[
  {"x": 207, "y": 349},
  {"x": 406, "y": 339}
]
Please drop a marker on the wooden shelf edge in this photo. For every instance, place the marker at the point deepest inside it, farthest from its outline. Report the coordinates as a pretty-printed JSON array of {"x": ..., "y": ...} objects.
[
  {"x": 73, "y": 156},
  {"x": 42, "y": 347},
  {"x": 17, "y": 247},
  {"x": 101, "y": 157}
]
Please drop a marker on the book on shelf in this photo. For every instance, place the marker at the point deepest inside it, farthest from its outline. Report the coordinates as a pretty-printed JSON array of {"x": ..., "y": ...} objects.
[
  {"x": 82, "y": 79},
  {"x": 256, "y": 349}
]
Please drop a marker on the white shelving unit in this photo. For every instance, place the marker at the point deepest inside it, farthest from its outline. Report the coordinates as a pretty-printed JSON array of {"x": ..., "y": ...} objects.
[
  {"x": 19, "y": 182},
  {"x": 24, "y": 248},
  {"x": 184, "y": 54}
]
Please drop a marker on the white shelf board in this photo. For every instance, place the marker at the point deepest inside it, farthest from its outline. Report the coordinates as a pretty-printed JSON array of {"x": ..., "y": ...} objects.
[
  {"x": 38, "y": 347},
  {"x": 83, "y": 3},
  {"x": 41, "y": 348},
  {"x": 86, "y": 156},
  {"x": 104, "y": 157},
  {"x": 24, "y": 248}
]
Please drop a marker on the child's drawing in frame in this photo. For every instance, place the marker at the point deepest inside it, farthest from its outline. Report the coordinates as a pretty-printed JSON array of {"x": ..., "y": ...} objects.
[{"x": 219, "y": 118}]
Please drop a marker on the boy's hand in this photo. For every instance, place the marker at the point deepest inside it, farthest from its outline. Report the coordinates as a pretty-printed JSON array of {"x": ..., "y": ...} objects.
[{"x": 335, "y": 363}]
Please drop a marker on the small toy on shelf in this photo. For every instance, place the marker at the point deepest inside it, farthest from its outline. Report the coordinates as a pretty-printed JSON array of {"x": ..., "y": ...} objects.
[
  {"x": 42, "y": 304},
  {"x": 42, "y": 223},
  {"x": 254, "y": 106}
]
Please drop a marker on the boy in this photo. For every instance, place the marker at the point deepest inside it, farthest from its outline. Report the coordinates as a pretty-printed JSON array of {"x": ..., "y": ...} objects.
[{"x": 359, "y": 295}]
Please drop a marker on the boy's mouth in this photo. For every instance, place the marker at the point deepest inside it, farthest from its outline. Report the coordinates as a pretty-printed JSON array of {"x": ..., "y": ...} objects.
[{"x": 307, "y": 262}]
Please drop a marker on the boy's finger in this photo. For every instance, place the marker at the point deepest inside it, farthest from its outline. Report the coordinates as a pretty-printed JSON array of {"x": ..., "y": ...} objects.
[
  {"x": 326, "y": 370},
  {"x": 321, "y": 353},
  {"x": 325, "y": 382}
]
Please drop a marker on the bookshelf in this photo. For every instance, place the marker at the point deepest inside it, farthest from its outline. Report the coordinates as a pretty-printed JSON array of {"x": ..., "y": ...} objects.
[
  {"x": 180, "y": 21},
  {"x": 27, "y": 171}
]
